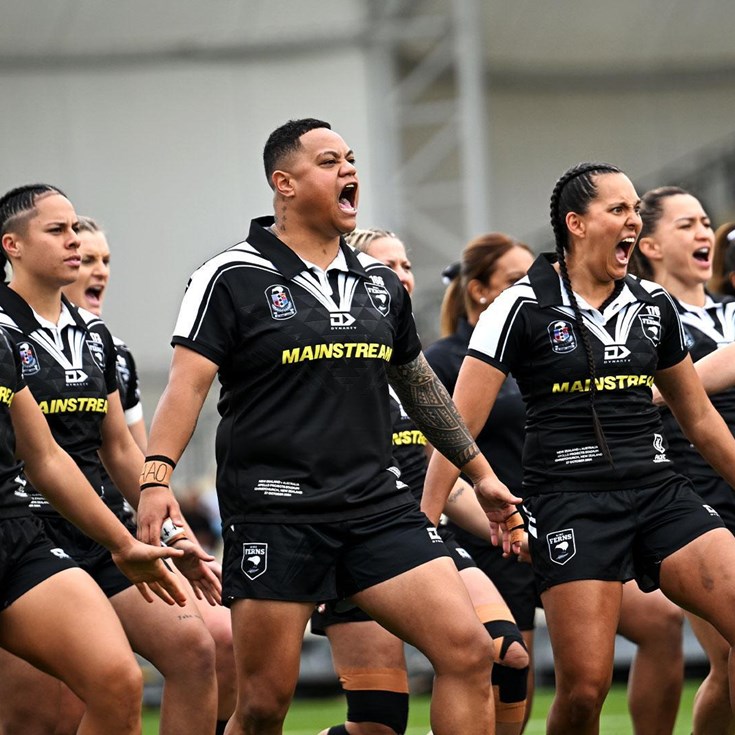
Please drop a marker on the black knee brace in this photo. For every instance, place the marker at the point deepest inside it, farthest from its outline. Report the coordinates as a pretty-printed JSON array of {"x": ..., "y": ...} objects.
[
  {"x": 386, "y": 708},
  {"x": 507, "y": 632},
  {"x": 512, "y": 684}
]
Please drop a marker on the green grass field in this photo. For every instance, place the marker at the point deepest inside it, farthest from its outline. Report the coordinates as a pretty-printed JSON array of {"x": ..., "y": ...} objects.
[{"x": 309, "y": 716}]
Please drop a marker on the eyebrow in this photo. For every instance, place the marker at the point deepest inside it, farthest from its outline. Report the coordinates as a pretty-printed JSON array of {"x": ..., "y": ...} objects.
[
  {"x": 332, "y": 152},
  {"x": 691, "y": 218}
]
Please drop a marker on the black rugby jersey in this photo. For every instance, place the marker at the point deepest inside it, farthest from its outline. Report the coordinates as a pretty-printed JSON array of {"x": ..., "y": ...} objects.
[
  {"x": 70, "y": 369},
  {"x": 501, "y": 439},
  {"x": 13, "y": 495},
  {"x": 706, "y": 329},
  {"x": 129, "y": 387},
  {"x": 409, "y": 448},
  {"x": 530, "y": 330},
  {"x": 305, "y": 430}
]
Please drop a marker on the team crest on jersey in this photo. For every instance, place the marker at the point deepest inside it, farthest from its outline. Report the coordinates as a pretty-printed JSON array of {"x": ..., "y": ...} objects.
[
  {"x": 561, "y": 546},
  {"x": 254, "y": 560},
  {"x": 688, "y": 339},
  {"x": 561, "y": 334},
  {"x": 650, "y": 320},
  {"x": 97, "y": 351},
  {"x": 280, "y": 302},
  {"x": 379, "y": 295},
  {"x": 28, "y": 358}
]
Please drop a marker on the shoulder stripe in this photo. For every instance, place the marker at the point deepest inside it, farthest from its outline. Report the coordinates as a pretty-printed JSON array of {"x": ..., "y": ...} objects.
[{"x": 204, "y": 280}]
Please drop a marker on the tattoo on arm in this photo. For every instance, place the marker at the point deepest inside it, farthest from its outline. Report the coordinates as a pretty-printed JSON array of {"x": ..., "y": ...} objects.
[
  {"x": 455, "y": 494},
  {"x": 427, "y": 402}
]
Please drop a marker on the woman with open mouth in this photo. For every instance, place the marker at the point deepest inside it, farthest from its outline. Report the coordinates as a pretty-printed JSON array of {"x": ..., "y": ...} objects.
[
  {"x": 585, "y": 343},
  {"x": 676, "y": 249},
  {"x": 68, "y": 362}
]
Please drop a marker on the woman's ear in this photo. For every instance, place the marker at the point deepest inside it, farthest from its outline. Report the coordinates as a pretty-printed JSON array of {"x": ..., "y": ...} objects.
[
  {"x": 9, "y": 244},
  {"x": 650, "y": 247},
  {"x": 476, "y": 289},
  {"x": 575, "y": 224}
]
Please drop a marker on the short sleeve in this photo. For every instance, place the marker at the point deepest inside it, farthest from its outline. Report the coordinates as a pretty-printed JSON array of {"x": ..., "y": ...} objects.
[
  {"x": 206, "y": 321},
  {"x": 407, "y": 345},
  {"x": 672, "y": 347},
  {"x": 498, "y": 337}
]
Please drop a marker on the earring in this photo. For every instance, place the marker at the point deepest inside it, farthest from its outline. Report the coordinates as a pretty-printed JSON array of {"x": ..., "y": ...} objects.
[{"x": 483, "y": 300}]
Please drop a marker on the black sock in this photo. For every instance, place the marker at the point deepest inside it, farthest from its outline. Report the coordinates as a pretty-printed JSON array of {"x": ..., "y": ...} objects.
[{"x": 338, "y": 730}]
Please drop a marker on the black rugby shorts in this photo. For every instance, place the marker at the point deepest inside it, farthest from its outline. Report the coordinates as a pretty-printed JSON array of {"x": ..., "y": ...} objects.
[
  {"x": 461, "y": 557},
  {"x": 715, "y": 491},
  {"x": 335, "y": 612},
  {"x": 614, "y": 535},
  {"x": 317, "y": 562},
  {"x": 95, "y": 559},
  {"x": 515, "y": 580},
  {"x": 27, "y": 558}
]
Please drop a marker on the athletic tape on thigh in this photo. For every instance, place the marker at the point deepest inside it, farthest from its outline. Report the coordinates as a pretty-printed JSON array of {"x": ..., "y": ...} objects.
[
  {"x": 385, "y": 708},
  {"x": 494, "y": 611},
  {"x": 389, "y": 680}
]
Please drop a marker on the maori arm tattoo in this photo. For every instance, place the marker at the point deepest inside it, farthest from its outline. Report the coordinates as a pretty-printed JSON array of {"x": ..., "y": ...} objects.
[{"x": 427, "y": 402}]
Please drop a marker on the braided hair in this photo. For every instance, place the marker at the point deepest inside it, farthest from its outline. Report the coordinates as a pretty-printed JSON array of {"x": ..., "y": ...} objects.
[
  {"x": 17, "y": 206},
  {"x": 362, "y": 238},
  {"x": 573, "y": 192}
]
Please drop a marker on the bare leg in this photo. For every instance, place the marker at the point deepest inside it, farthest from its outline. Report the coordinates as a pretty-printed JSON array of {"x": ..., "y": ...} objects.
[
  {"x": 267, "y": 638},
  {"x": 582, "y": 618},
  {"x": 701, "y": 578},
  {"x": 656, "y": 677},
  {"x": 218, "y": 622},
  {"x": 511, "y": 660},
  {"x": 451, "y": 637},
  {"x": 66, "y": 627},
  {"x": 712, "y": 714},
  {"x": 35, "y": 703},
  {"x": 368, "y": 658},
  {"x": 177, "y": 643},
  {"x": 528, "y": 636}
]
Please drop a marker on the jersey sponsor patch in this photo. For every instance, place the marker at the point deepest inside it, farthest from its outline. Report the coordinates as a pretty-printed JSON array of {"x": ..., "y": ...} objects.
[
  {"x": 254, "y": 560},
  {"x": 280, "y": 302},
  {"x": 28, "y": 358},
  {"x": 561, "y": 334},
  {"x": 561, "y": 546},
  {"x": 379, "y": 296}
]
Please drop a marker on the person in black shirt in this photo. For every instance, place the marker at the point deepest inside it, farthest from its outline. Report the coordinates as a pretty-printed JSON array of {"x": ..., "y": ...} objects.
[
  {"x": 585, "y": 342},
  {"x": 88, "y": 291},
  {"x": 676, "y": 249},
  {"x": 68, "y": 361},
  {"x": 51, "y": 613},
  {"x": 369, "y": 660},
  {"x": 305, "y": 336},
  {"x": 489, "y": 264}
]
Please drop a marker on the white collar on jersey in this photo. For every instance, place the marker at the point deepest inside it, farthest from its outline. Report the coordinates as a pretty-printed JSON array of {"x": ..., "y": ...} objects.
[
  {"x": 65, "y": 319},
  {"x": 339, "y": 263}
]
